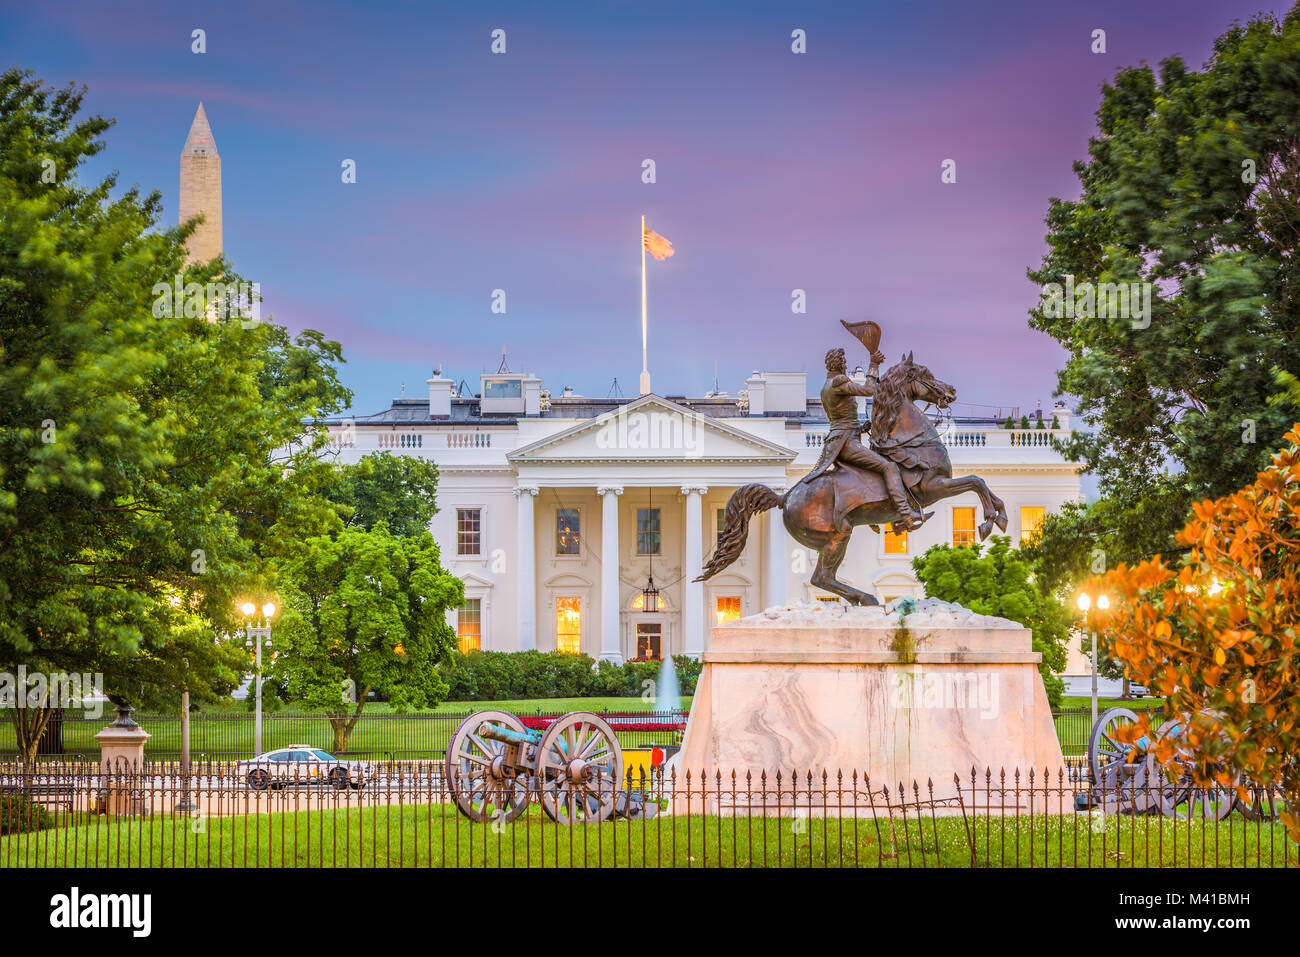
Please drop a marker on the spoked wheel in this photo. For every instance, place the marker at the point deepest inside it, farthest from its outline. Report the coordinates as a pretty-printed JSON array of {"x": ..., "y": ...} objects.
[
  {"x": 1217, "y": 801},
  {"x": 480, "y": 771},
  {"x": 1123, "y": 785},
  {"x": 579, "y": 769},
  {"x": 1174, "y": 796},
  {"x": 1259, "y": 804}
]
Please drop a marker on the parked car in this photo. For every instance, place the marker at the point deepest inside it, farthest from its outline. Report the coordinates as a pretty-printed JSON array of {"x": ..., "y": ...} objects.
[{"x": 302, "y": 764}]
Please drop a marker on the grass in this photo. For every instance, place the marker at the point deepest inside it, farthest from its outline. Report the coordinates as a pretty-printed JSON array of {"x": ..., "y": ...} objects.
[
  {"x": 437, "y": 835},
  {"x": 1135, "y": 704},
  {"x": 226, "y": 731}
]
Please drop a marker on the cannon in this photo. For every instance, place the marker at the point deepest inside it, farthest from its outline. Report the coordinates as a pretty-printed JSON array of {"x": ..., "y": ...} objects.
[
  {"x": 574, "y": 769},
  {"x": 1140, "y": 786}
]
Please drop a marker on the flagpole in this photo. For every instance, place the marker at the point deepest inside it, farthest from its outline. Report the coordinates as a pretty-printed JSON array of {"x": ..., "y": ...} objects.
[{"x": 645, "y": 371}]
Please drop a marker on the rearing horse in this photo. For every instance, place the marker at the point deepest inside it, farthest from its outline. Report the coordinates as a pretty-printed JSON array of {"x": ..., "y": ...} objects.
[{"x": 822, "y": 514}]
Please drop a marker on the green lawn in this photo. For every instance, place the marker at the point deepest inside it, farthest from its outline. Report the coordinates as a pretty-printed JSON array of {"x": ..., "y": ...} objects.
[
  {"x": 1135, "y": 704},
  {"x": 226, "y": 732},
  {"x": 436, "y": 835}
]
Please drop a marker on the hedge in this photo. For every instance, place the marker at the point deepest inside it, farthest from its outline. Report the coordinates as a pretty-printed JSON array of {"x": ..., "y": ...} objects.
[
  {"x": 18, "y": 814},
  {"x": 506, "y": 675}
]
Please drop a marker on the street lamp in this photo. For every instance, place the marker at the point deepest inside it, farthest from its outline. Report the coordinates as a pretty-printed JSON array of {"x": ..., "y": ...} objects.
[
  {"x": 255, "y": 634},
  {"x": 1084, "y": 603}
]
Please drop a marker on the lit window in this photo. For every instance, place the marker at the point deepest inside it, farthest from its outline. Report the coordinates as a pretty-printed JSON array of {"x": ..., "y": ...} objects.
[
  {"x": 568, "y": 625},
  {"x": 647, "y": 531},
  {"x": 469, "y": 625},
  {"x": 727, "y": 608},
  {"x": 896, "y": 541},
  {"x": 1031, "y": 516},
  {"x": 469, "y": 526},
  {"x": 566, "y": 531},
  {"x": 963, "y": 525},
  {"x": 649, "y": 640}
]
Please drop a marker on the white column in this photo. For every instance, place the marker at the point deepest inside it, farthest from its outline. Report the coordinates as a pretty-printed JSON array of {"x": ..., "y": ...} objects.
[
  {"x": 693, "y": 591},
  {"x": 610, "y": 603},
  {"x": 778, "y": 547},
  {"x": 526, "y": 569}
]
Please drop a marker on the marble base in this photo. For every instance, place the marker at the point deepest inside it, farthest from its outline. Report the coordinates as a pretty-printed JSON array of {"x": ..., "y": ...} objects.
[{"x": 905, "y": 702}]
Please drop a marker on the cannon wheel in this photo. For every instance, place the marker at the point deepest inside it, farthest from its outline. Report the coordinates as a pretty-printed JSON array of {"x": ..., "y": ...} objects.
[
  {"x": 1174, "y": 798},
  {"x": 579, "y": 769},
  {"x": 485, "y": 789},
  {"x": 1217, "y": 801},
  {"x": 1123, "y": 785},
  {"x": 1260, "y": 803}
]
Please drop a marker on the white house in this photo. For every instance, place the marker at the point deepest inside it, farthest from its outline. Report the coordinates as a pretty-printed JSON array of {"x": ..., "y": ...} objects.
[{"x": 555, "y": 510}]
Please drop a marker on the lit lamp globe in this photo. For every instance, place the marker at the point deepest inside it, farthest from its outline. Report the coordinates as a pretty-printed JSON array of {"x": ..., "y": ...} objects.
[
  {"x": 268, "y": 610},
  {"x": 1084, "y": 602},
  {"x": 248, "y": 608}
]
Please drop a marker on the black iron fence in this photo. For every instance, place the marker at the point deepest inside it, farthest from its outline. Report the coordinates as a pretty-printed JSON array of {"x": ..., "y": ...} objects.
[
  {"x": 396, "y": 814},
  {"x": 1074, "y": 725},
  {"x": 223, "y": 736},
  {"x": 384, "y": 735}
]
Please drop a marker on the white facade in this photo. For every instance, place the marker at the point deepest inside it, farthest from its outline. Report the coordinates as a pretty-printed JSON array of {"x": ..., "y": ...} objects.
[{"x": 515, "y": 464}]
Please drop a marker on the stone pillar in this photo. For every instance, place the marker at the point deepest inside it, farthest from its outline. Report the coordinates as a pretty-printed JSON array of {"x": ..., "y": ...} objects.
[
  {"x": 121, "y": 762},
  {"x": 693, "y": 591},
  {"x": 526, "y": 568},
  {"x": 776, "y": 568},
  {"x": 610, "y": 603}
]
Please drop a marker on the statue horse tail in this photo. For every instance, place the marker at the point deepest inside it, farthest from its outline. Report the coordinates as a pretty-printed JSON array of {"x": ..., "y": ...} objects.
[{"x": 745, "y": 502}]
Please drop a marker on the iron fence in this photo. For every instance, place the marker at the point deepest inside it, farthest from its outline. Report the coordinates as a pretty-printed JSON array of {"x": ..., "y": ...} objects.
[
  {"x": 1074, "y": 725},
  {"x": 412, "y": 735},
  {"x": 404, "y": 813}
]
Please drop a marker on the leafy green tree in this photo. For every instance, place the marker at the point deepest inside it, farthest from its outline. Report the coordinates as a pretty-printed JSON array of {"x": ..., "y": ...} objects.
[
  {"x": 397, "y": 489},
  {"x": 999, "y": 582},
  {"x": 151, "y": 463},
  {"x": 364, "y": 611},
  {"x": 1191, "y": 197}
]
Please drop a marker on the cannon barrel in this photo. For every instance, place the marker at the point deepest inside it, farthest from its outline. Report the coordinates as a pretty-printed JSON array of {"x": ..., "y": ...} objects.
[{"x": 498, "y": 732}]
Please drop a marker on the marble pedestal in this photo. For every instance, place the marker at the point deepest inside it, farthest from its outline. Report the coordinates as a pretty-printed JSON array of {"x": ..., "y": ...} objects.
[{"x": 901, "y": 700}]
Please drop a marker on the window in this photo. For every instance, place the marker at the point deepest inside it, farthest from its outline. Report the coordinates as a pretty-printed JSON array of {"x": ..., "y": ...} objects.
[
  {"x": 963, "y": 525},
  {"x": 727, "y": 608},
  {"x": 1031, "y": 516},
  {"x": 568, "y": 625},
  {"x": 566, "y": 531},
  {"x": 469, "y": 625},
  {"x": 503, "y": 388},
  {"x": 647, "y": 531},
  {"x": 469, "y": 528},
  {"x": 722, "y": 523},
  {"x": 896, "y": 541},
  {"x": 649, "y": 640}
]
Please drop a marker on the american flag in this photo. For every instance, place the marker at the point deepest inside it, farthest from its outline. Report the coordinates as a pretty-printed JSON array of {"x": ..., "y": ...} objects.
[{"x": 656, "y": 245}]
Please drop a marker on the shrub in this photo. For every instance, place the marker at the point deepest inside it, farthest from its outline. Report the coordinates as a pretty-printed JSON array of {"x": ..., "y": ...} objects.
[
  {"x": 19, "y": 814},
  {"x": 506, "y": 675}
]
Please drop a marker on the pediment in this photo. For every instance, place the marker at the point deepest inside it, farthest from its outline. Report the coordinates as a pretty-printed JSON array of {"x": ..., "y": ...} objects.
[{"x": 651, "y": 429}]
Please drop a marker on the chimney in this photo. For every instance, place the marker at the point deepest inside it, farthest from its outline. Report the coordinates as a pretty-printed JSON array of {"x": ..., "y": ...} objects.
[
  {"x": 439, "y": 396},
  {"x": 757, "y": 388},
  {"x": 532, "y": 395}
]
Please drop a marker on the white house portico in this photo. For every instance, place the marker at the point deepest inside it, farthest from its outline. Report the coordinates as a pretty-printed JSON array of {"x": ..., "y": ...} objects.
[{"x": 556, "y": 510}]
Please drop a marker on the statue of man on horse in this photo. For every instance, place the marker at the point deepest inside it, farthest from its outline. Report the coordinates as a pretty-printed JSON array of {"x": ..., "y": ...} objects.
[{"x": 852, "y": 484}]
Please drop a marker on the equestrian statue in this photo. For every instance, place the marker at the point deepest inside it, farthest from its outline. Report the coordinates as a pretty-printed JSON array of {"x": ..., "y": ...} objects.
[{"x": 905, "y": 469}]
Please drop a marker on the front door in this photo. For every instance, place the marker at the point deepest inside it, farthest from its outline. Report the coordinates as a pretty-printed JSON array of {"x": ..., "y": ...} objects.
[{"x": 649, "y": 639}]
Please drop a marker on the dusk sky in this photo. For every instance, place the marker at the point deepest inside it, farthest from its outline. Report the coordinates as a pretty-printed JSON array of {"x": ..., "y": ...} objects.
[{"x": 522, "y": 172}]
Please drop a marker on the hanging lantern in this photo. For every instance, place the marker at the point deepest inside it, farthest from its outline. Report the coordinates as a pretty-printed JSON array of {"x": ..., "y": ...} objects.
[{"x": 650, "y": 596}]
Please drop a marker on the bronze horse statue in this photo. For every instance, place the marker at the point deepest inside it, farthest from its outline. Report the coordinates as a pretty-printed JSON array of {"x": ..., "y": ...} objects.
[{"x": 821, "y": 514}]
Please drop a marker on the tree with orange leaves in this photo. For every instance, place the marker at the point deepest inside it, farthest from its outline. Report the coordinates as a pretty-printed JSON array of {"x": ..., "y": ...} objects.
[{"x": 1217, "y": 636}]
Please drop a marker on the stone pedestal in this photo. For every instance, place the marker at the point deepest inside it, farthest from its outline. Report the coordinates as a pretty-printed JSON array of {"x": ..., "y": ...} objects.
[
  {"x": 121, "y": 764},
  {"x": 901, "y": 700}
]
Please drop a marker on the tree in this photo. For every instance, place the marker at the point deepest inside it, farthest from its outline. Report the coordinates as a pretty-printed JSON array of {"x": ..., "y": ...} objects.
[
  {"x": 140, "y": 486},
  {"x": 1216, "y": 634},
  {"x": 1191, "y": 203},
  {"x": 1000, "y": 582},
  {"x": 396, "y": 489},
  {"x": 363, "y": 611}
]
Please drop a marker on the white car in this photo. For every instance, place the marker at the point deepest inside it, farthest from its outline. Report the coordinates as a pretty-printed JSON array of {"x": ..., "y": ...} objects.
[{"x": 302, "y": 764}]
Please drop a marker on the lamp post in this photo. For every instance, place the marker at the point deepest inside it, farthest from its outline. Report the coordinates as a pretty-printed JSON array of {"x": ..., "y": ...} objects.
[
  {"x": 1085, "y": 602},
  {"x": 254, "y": 640}
]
